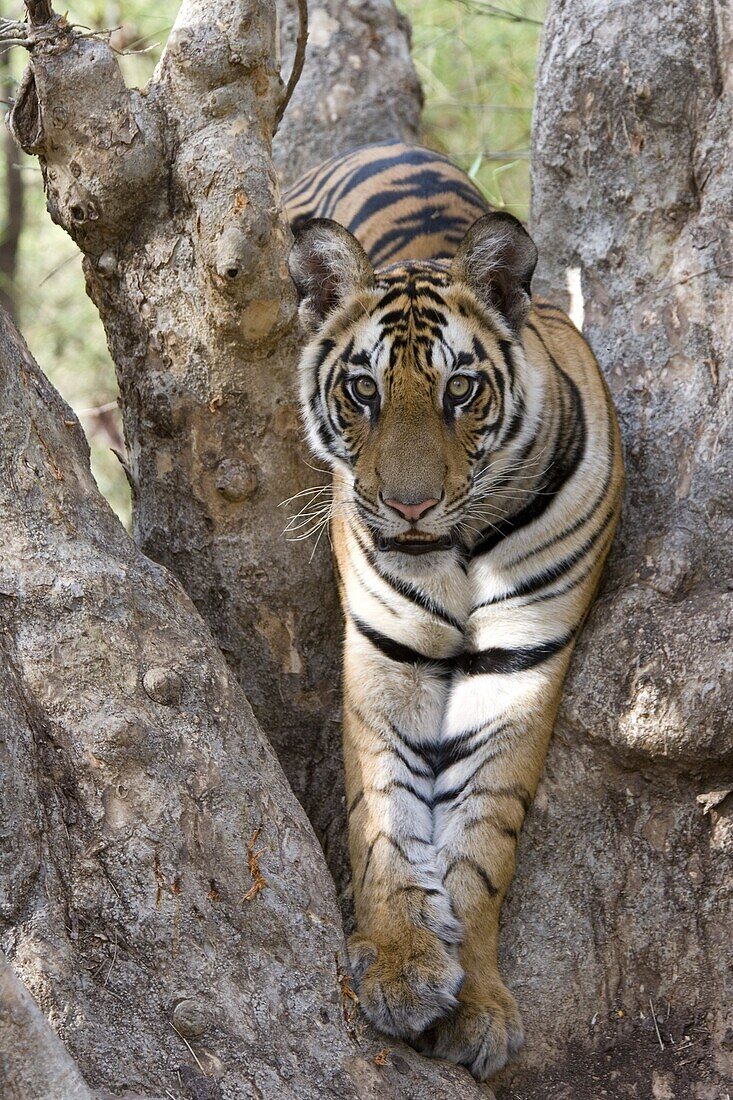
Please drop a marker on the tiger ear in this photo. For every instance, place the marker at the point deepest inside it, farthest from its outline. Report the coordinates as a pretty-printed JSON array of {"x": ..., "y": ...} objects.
[
  {"x": 327, "y": 264},
  {"x": 496, "y": 259}
]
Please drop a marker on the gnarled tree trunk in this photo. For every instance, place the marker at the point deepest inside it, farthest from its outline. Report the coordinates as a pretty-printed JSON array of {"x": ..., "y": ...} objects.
[{"x": 622, "y": 908}]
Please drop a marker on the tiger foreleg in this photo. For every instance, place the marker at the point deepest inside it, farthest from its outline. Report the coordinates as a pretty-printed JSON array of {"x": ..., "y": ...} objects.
[
  {"x": 480, "y": 803},
  {"x": 404, "y": 953}
]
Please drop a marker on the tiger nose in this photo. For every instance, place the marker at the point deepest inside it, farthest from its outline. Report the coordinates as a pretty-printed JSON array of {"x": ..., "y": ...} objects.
[{"x": 411, "y": 510}]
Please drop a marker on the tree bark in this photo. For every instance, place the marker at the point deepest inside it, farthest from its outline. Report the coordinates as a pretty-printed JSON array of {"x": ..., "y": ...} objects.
[
  {"x": 33, "y": 1061},
  {"x": 163, "y": 897},
  {"x": 617, "y": 932},
  {"x": 623, "y": 898}
]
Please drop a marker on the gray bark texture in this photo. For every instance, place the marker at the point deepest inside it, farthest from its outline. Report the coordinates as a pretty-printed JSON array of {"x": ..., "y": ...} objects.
[
  {"x": 164, "y": 903},
  {"x": 621, "y": 911}
]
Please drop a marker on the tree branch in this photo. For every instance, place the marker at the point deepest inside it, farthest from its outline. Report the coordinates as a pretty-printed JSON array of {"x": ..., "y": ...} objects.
[
  {"x": 146, "y": 803},
  {"x": 99, "y": 145},
  {"x": 39, "y": 12},
  {"x": 298, "y": 61},
  {"x": 219, "y": 85}
]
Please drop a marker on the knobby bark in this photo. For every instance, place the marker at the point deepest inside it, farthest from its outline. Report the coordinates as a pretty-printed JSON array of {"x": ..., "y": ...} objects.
[
  {"x": 162, "y": 895},
  {"x": 622, "y": 907}
]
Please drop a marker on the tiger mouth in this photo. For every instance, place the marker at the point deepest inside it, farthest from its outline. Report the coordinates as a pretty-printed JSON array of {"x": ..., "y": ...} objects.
[{"x": 415, "y": 542}]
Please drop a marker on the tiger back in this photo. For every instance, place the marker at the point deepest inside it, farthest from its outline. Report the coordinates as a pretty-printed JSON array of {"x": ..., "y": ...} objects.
[
  {"x": 400, "y": 201},
  {"x": 477, "y": 480}
]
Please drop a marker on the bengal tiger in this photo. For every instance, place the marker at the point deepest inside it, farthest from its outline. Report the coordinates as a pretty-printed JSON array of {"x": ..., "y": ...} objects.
[{"x": 477, "y": 479}]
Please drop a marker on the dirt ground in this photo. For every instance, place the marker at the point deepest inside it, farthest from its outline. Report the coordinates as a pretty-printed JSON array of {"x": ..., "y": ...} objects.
[{"x": 632, "y": 1060}]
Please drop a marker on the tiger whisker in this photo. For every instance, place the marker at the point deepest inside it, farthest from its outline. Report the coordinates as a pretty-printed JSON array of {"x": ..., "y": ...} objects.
[{"x": 312, "y": 491}]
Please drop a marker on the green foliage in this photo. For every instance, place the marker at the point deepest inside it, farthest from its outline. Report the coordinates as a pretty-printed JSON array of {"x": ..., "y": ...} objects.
[
  {"x": 476, "y": 61},
  {"x": 477, "y": 68}
]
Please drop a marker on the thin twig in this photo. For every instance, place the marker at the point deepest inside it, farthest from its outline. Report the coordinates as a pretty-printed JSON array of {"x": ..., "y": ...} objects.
[
  {"x": 57, "y": 268},
  {"x": 298, "y": 61},
  {"x": 686, "y": 279},
  {"x": 464, "y": 105},
  {"x": 198, "y": 1063},
  {"x": 114, "y": 960},
  {"x": 13, "y": 32},
  {"x": 480, "y": 7},
  {"x": 656, "y": 1026},
  {"x": 98, "y": 410}
]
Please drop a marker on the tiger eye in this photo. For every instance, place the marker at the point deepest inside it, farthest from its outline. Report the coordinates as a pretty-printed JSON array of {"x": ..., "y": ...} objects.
[
  {"x": 459, "y": 386},
  {"x": 365, "y": 387}
]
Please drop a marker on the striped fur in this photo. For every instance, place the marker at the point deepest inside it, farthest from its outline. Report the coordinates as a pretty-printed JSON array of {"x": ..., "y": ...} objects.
[{"x": 454, "y": 659}]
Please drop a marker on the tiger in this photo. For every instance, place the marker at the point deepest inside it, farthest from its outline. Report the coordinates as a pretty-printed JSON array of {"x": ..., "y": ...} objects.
[{"x": 476, "y": 487}]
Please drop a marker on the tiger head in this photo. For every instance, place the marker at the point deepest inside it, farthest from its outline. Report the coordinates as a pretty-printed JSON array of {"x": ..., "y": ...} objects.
[{"x": 414, "y": 383}]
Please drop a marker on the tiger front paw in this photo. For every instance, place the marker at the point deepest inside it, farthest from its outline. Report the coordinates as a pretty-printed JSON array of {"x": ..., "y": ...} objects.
[
  {"x": 406, "y": 985},
  {"x": 481, "y": 1036}
]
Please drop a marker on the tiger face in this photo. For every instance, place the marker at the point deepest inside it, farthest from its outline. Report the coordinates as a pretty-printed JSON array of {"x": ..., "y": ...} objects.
[{"x": 414, "y": 384}]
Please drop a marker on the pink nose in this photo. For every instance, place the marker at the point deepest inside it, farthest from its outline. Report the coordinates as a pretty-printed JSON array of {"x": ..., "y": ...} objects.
[{"x": 411, "y": 511}]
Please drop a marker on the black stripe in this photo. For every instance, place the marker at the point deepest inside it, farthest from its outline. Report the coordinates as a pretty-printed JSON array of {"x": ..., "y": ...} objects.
[
  {"x": 404, "y": 588},
  {"x": 506, "y": 350},
  {"x": 556, "y": 593},
  {"x": 553, "y": 573},
  {"x": 430, "y": 891},
  {"x": 426, "y": 751},
  {"x": 400, "y": 653},
  {"x": 520, "y": 794},
  {"x": 564, "y": 464},
  {"x": 460, "y": 748},
  {"x": 395, "y": 844},
  {"x": 423, "y": 773},
  {"x": 355, "y": 802},
  {"x": 583, "y": 518},
  {"x": 415, "y": 595},
  {"x": 494, "y": 660},
  {"x": 455, "y": 792},
  {"x": 490, "y": 820},
  {"x": 398, "y": 785},
  {"x": 473, "y": 865},
  {"x": 556, "y": 477},
  {"x": 503, "y": 661}
]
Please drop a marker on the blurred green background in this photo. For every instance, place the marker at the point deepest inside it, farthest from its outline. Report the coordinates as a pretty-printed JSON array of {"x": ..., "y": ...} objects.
[{"x": 476, "y": 61}]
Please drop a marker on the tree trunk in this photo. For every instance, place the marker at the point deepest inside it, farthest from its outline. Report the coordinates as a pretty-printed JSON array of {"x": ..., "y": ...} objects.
[
  {"x": 163, "y": 897},
  {"x": 618, "y": 929},
  {"x": 622, "y": 906},
  {"x": 358, "y": 84},
  {"x": 172, "y": 197}
]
